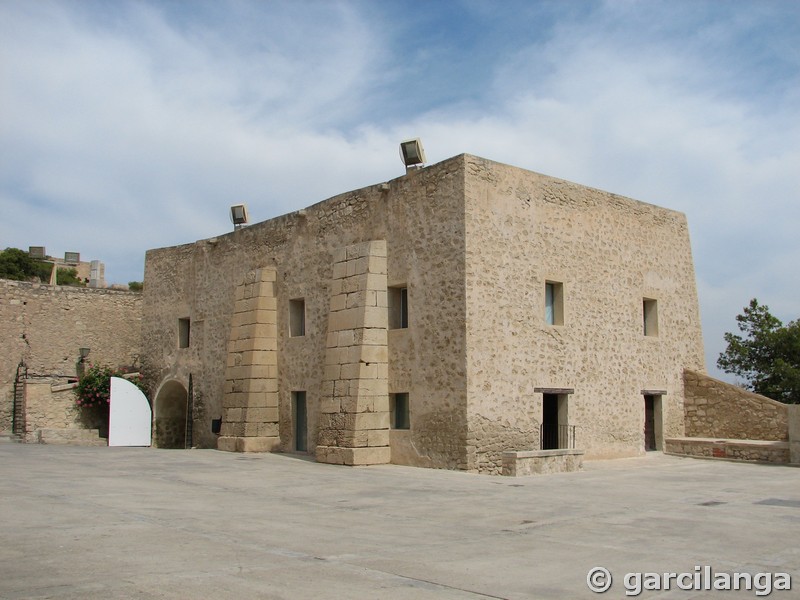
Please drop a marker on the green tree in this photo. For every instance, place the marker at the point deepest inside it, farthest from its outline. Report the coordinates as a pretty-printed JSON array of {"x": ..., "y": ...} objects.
[
  {"x": 18, "y": 265},
  {"x": 69, "y": 276},
  {"x": 767, "y": 357},
  {"x": 135, "y": 286}
]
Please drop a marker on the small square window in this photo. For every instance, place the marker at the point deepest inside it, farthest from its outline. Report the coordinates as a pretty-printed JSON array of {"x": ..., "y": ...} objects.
[
  {"x": 184, "y": 327},
  {"x": 398, "y": 307},
  {"x": 650, "y": 317},
  {"x": 400, "y": 414},
  {"x": 297, "y": 317},
  {"x": 554, "y": 303}
]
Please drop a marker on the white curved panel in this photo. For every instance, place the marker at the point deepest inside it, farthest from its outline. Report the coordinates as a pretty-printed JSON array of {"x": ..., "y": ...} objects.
[{"x": 129, "y": 415}]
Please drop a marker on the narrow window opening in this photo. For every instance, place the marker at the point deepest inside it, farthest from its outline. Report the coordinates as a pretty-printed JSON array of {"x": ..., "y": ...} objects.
[
  {"x": 398, "y": 307},
  {"x": 184, "y": 327},
  {"x": 650, "y": 317},
  {"x": 399, "y": 410},
  {"x": 297, "y": 317},
  {"x": 554, "y": 303},
  {"x": 300, "y": 420}
]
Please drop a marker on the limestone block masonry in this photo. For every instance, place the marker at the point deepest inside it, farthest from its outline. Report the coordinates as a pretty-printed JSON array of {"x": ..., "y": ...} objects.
[
  {"x": 354, "y": 401},
  {"x": 250, "y": 402}
]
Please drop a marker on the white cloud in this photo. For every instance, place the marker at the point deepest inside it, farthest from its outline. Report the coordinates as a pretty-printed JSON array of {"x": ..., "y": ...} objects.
[{"x": 136, "y": 125}]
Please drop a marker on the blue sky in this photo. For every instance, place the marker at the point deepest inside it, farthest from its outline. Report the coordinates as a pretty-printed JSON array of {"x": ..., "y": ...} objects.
[{"x": 130, "y": 125}]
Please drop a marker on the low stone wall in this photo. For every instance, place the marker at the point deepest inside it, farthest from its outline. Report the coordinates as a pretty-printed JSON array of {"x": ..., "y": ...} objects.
[
  {"x": 49, "y": 405},
  {"x": 520, "y": 463},
  {"x": 715, "y": 409},
  {"x": 744, "y": 450},
  {"x": 794, "y": 434}
]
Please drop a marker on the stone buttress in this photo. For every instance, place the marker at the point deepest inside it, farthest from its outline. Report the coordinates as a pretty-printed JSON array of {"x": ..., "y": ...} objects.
[
  {"x": 250, "y": 401},
  {"x": 354, "y": 399}
]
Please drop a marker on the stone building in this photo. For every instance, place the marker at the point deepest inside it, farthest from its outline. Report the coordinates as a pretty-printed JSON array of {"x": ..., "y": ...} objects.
[
  {"x": 42, "y": 330},
  {"x": 91, "y": 273},
  {"x": 454, "y": 313}
]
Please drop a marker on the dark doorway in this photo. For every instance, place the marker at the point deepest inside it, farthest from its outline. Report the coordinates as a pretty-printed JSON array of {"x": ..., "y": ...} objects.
[
  {"x": 170, "y": 415},
  {"x": 549, "y": 421},
  {"x": 651, "y": 406},
  {"x": 300, "y": 419}
]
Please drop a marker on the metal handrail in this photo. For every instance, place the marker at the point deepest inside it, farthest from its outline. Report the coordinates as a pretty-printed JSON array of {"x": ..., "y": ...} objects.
[{"x": 553, "y": 436}]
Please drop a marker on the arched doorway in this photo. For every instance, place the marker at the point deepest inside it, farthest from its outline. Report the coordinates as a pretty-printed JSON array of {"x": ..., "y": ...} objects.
[{"x": 169, "y": 416}]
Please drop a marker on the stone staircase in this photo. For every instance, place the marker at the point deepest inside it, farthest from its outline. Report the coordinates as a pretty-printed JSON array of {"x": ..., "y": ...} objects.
[
  {"x": 7, "y": 437},
  {"x": 71, "y": 437}
]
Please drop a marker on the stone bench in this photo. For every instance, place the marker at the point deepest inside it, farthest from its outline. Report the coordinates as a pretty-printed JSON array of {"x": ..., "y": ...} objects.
[
  {"x": 744, "y": 450},
  {"x": 520, "y": 463}
]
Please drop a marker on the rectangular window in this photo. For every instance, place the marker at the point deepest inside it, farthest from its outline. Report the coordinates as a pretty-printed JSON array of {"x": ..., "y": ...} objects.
[
  {"x": 297, "y": 317},
  {"x": 554, "y": 303},
  {"x": 398, "y": 307},
  {"x": 400, "y": 414},
  {"x": 184, "y": 326},
  {"x": 650, "y": 317}
]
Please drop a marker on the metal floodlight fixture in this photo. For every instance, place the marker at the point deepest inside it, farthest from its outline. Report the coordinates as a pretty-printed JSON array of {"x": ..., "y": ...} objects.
[
  {"x": 412, "y": 153},
  {"x": 84, "y": 352},
  {"x": 239, "y": 215}
]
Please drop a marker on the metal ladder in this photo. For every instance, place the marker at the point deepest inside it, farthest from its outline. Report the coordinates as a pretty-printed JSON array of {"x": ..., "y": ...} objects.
[{"x": 18, "y": 414}]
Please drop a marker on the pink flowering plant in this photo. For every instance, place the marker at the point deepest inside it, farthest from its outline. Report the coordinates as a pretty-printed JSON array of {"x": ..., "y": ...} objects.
[{"x": 94, "y": 388}]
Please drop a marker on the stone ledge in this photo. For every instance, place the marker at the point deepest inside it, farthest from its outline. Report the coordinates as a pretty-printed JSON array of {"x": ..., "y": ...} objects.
[
  {"x": 373, "y": 455},
  {"x": 518, "y": 463},
  {"x": 63, "y": 387},
  {"x": 248, "y": 444},
  {"x": 742, "y": 450}
]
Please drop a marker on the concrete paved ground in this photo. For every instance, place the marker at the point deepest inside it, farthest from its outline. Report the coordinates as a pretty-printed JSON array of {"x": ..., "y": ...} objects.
[{"x": 145, "y": 523}]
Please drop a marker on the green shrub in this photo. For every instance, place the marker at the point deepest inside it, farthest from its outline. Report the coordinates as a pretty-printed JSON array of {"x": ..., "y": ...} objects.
[
  {"x": 94, "y": 388},
  {"x": 69, "y": 276}
]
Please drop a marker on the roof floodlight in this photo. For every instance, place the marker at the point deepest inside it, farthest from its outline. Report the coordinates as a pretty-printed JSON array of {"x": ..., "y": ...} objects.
[
  {"x": 412, "y": 153},
  {"x": 239, "y": 215}
]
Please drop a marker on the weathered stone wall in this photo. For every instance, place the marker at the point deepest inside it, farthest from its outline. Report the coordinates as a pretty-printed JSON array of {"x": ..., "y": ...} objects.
[
  {"x": 794, "y": 433},
  {"x": 609, "y": 253},
  {"x": 715, "y": 409},
  {"x": 474, "y": 243},
  {"x": 44, "y": 326},
  {"x": 421, "y": 217},
  {"x": 744, "y": 450},
  {"x": 50, "y": 407},
  {"x": 47, "y": 409}
]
